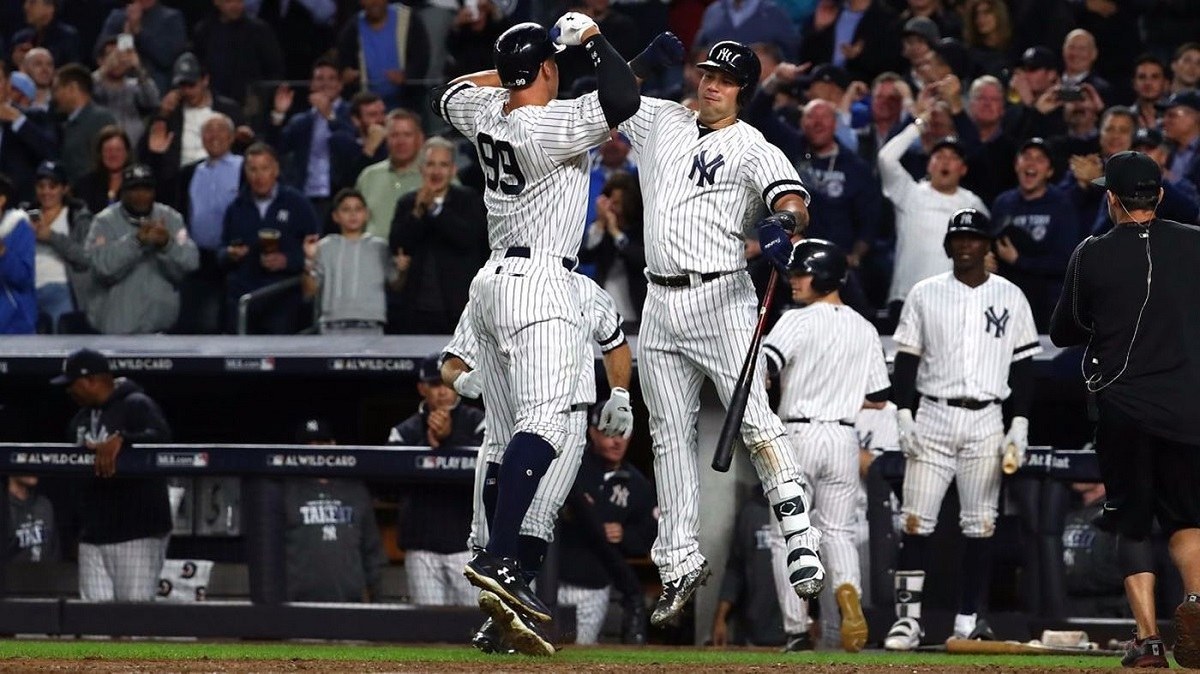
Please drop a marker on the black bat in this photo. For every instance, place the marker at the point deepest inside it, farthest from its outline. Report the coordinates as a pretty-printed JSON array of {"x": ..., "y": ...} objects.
[{"x": 723, "y": 456}]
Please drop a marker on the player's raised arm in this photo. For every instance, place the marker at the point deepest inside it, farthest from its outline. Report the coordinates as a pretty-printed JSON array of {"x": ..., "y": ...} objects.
[
  {"x": 664, "y": 51},
  {"x": 616, "y": 86}
]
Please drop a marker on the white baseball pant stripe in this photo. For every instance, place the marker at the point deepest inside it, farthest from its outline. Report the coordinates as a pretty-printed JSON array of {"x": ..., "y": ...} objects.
[
  {"x": 689, "y": 334},
  {"x": 436, "y": 579},
  {"x": 125, "y": 571},
  {"x": 591, "y": 607},
  {"x": 528, "y": 314},
  {"x": 828, "y": 453},
  {"x": 955, "y": 444}
]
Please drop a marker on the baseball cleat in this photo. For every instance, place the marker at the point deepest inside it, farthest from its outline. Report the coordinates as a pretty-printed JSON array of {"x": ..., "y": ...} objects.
[
  {"x": 1148, "y": 652},
  {"x": 1187, "y": 632},
  {"x": 854, "y": 623},
  {"x": 806, "y": 572},
  {"x": 490, "y": 639},
  {"x": 676, "y": 593},
  {"x": 633, "y": 622},
  {"x": 503, "y": 577},
  {"x": 798, "y": 642},
  {"x": 905, "y": 635},
  {"x": 521, "y": 633}
]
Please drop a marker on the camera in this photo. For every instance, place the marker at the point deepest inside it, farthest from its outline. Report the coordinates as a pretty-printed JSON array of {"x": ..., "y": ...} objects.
[{"x": 1070, "y": 94}]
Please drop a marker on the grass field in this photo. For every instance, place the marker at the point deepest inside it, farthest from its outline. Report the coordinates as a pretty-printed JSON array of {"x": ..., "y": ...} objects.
[{"x": 28, "y": 655}]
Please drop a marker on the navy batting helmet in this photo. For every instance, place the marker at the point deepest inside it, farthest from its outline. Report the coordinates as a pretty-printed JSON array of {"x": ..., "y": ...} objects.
[
  {"x": 739, "y": 62},
  {"x": 520, "y": 51},
  {"x": 968, "y": 221},
  {"x": 821, "y": 259}
]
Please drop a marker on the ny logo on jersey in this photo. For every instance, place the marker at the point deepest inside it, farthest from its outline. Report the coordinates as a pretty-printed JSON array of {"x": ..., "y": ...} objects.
[
  {"x": 707, "y": 169},
  {"x": 620, "y": 496},
  {"x": 999, "y": 322}
]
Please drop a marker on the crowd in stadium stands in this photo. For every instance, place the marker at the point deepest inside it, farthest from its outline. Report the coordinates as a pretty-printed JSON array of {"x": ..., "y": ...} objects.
[{"x": 245, "y": 145}]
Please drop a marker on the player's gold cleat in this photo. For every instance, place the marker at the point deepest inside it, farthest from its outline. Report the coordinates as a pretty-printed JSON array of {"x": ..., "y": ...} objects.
[{"x": 854, "y": 623}]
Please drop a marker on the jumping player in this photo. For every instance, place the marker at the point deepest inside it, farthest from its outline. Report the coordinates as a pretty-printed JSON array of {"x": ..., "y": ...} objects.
[
  {"x": 525, "y": 302},
  {"x": 828, "y": 358},
  {"x": 964, "y": 344},
  {"x": 703, "y": 174},
  {"x": 460, "y": 358}
]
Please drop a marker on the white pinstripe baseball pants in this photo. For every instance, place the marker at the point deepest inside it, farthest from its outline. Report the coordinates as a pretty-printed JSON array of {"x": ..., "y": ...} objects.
[
  {"x": 956, "y": 444},
  {"x": 528, "y": 314},
  {"x": 436, "y": 579},
  {"x": 689, "y": 334},
  {"x": 551, "y": 493},
  {"x": 125, "y": 571},
  {"x": 591, "y": 607}
]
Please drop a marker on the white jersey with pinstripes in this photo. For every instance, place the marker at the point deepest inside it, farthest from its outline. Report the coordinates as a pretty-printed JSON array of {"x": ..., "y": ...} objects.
[
  {"x": 701, "y": 188},
  {"x": 534, "y": 163},
  {"x": 829, "y": 358},
  {"x": 921, "y": 216},
  {"x": 966, "y": 337}
]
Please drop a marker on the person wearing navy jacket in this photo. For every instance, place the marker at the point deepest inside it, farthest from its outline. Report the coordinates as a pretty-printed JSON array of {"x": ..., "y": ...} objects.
[
  {"x": 1037, "y": 229},
  {"x": 262, "y": 242}
]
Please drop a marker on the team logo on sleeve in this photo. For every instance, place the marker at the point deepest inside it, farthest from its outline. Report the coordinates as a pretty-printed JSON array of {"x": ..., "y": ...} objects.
[
  {"x": 997, "y": 322},
  {"x": 707, "y": 169}
]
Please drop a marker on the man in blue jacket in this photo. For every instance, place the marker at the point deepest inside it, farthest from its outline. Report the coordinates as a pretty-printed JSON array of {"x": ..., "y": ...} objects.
[
  {"x": 1037, "y": 228},
  {"x": 262, "y": 242}
]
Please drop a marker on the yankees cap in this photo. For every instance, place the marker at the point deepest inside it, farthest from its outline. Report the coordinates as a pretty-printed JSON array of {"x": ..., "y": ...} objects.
[
  {"x": 81, "y": 363},
  {"x": 315, "y": 429},
  {"x": 431, "y": 369}
]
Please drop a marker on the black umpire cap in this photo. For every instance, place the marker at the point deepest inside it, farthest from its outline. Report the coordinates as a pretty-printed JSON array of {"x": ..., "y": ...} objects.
[
  {"x": 81, "y": 363},
  {"x": 1131, "y": 174}
]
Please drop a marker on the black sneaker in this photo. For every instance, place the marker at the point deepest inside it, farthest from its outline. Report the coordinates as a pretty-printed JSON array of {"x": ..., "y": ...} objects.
[
  {"x": 1187, "y": 632},
  {"x": 503, "y": 577},
  {"x": 676, "y": 593},
  {"x": 1148, "y": 652},
  {"x": 521, "y": 633},
  {"x": 633, "y": 622},
  {"x": 798, "y": 642},
  {"x": 982, "y": 631},
  {"x": 490, "y": 639}
]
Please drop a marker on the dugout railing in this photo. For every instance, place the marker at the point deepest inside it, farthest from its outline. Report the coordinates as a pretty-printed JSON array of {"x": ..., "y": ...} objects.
[{"x": 264, "y": 613}]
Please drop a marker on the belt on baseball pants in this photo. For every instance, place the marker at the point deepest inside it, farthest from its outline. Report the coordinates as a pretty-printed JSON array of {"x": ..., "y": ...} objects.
[
  {"x": 524, "y": 251},
  {"x": 802, "y": 420},
  {"x": 683, "y": 280},
  {"x": 965, "y": 403}
]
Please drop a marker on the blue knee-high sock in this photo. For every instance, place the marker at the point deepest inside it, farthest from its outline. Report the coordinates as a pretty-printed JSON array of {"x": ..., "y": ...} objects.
[
  {"x": 977, "y": 569},
  {"x": 526, "y": 460},
  {"x": 531, "y": 552},
  {"x": 491, "y": 487}
]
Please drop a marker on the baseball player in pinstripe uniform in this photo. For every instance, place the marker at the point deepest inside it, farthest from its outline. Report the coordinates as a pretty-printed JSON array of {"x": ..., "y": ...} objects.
[
  {"x": 703, "y": 174},
  {"x": 829, "y": 359},
  {"x": 964, "y": 343},
  {"x": 460, "y": 360},
  {"x": 526, "y": 304}
]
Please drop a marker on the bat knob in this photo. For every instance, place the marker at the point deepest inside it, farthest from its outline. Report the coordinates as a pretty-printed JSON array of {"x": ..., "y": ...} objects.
[{"x": 1011, "y": 462}]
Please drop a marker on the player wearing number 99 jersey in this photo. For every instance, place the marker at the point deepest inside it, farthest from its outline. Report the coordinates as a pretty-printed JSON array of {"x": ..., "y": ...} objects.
[{"x": 525, "y": 303}]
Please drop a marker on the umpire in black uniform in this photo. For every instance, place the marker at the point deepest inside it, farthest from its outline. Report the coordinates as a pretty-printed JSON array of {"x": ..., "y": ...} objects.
[{"x": 1131, "y": 296}]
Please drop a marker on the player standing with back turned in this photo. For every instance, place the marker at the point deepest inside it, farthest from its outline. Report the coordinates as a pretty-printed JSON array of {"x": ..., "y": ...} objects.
[
  {"x": 702, "y": 175},
  {"x": 829, "y": 359},
  {"x": 526, "y": 304}
]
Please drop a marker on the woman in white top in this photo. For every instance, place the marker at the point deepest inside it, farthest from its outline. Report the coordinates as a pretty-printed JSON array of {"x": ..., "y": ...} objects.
[{"x": 61, "y": 268}]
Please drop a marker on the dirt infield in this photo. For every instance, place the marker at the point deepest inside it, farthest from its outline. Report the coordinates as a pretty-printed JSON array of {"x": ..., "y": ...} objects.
[{"x": 494, "y": 667}]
